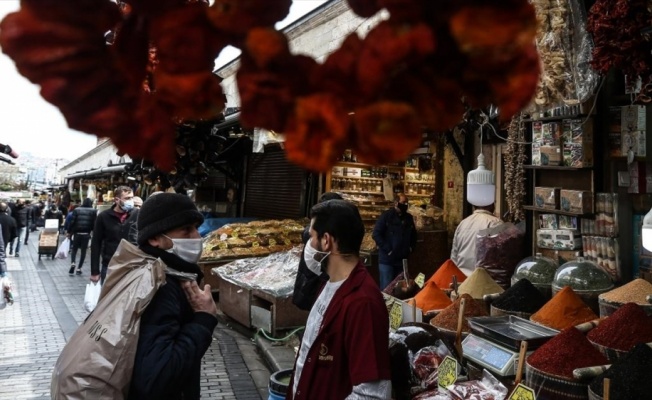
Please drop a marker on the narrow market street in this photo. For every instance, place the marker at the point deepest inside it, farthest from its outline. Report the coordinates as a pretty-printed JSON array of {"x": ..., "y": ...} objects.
[{"x": 49, "y": 307}]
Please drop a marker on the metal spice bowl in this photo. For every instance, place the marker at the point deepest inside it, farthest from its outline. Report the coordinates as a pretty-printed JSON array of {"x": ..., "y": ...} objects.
[
  {"x": 611, "y": 353},
  {"x": 609, "y": 307},
  {"x": 554, "y": 387}
]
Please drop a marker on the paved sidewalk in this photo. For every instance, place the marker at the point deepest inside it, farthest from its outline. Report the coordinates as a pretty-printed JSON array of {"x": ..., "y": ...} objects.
[{"x": 48, "y": 309}]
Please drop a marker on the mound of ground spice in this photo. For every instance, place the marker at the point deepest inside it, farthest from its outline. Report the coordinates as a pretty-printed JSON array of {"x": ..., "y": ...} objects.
[
  {"x": 478, "y": 284},
  {"x": 445, "y": 273},
  {"x": 635, "y": 291},
  {"x": 629, "y": 375},
  {"x": 447, "y": 319},
  {"x": 625, "y": 328},
  {"x": 432, "y": 298},
  {"x": 563, "y": 353},
  {"x": 564, "y": 310},
  {"x": 523, "y": 296}
]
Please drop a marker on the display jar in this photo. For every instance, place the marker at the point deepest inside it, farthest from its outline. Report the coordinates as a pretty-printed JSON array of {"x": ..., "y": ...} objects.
[
  {"x": 539, "y": 270},
  {"x": 585, "y": 278}
]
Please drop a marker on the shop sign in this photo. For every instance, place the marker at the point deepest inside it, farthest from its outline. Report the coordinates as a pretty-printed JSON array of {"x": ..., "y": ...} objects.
[
  {"x": 420, "y": 280},
  {"x": 447, "y": 372},
  {"x": 522, "y": 392},
  {"x": 396, "y": 316}
]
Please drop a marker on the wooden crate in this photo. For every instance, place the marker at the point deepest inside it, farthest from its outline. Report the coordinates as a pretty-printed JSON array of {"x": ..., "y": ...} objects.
[
  {"x": 235, "y": 301},
  {"x": 210, "y": 277},
  {"x": 273, "y": 313},
  {"x": 48, "y": 240}
]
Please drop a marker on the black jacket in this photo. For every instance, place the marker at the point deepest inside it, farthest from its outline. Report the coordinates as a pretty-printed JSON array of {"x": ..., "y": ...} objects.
[
  {"x": 396, "y": 237},
  {"x": 8, "y": 228},
  {"x": 106, "y": 238},
  {"x": 172, "y": 341},
  {"x": 130, "y": 227},
  {"x": 21, "y": 215},
  {"x": 83, "y": 220},
  {"x": 49, "y": 214}
]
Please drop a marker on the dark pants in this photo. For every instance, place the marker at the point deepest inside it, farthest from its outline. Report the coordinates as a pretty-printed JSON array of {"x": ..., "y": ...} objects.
[
  {"x": 80, "y": 242},
  {"x": 105, "y": 267}
]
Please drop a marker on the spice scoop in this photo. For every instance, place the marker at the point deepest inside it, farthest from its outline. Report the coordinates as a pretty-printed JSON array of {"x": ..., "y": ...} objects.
[
  {"x": 587, "y": 326},
  {"x": 583, "y": 374}
]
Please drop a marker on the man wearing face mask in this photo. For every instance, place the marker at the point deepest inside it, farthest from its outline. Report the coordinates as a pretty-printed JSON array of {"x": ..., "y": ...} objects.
[
  {"x": 396, "y": 236},
  {"x": 343, "y": 353},
  {"x": 107, "y": 232},
  {"x": 177, "y": 326}
]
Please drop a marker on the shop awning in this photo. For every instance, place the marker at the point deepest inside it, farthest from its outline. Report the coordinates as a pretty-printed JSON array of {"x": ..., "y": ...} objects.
[{"x": 97, "y": 171}]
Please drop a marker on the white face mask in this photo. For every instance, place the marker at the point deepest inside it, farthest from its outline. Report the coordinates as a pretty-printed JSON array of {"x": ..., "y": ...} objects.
[
  {"x": 127, "y": 205},
  {"x": 309, "y": 254},
  {"x": 186, "y": 249}
]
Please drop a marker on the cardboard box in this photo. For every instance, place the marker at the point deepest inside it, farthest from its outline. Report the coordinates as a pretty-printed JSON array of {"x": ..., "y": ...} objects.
[
  {"x": 567, "y": 239},
  {"x": 568, "y": 222},
  {"x": 546, "y": 238},
  {"x": 551, "y": 155},
  {"x": 536, "y": 154},
  {"x": 552, "y": 132},
  {"x": 632, "y": 118},
  {"x": 51, "y": 225},
  {"x": 576, "y": 201},
  {"x": 548, "y": 221},
  {"x": 578, "y": 155},
  {"x": 546, "y": 197},
  {"x": 634, "y": 141},
  {"x": 48, "y": 239},
  {"x": 537, "y": 132}
]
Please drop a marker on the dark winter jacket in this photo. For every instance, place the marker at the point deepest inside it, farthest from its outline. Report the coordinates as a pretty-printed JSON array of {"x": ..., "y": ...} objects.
[
  {"x": 396, "y": 237},
  {"x": 106, "y": 238},
  {"x": 49, "y": 214},
  {"x": 8, "y": 227},
  {"x": 83, "y": 219},
  {"x": 21, "y": 215},
  {"x": 172, "y": 341},
  {"x": 130, "y": 227}
]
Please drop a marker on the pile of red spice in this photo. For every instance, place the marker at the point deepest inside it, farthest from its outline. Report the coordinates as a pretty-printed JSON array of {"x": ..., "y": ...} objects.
[
  {"x": 567, "y": 351},
  {"x": 623, "y": 329},
  {"x": 447, "y": 319}
]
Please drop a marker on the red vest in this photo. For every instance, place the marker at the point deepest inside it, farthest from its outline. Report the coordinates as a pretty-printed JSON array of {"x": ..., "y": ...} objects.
[{"x": 352, "y": 346}]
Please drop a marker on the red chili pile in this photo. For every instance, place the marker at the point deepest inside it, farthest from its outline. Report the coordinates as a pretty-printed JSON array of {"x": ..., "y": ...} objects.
[
  {"x": 567, "y": 351},
  {"x": 623, "y": 329}
]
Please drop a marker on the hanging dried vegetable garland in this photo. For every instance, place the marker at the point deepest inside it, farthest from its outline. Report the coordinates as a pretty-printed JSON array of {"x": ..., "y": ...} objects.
[
  {"x": 373, "y": 94},
  {"x": 514, "y": 170}
]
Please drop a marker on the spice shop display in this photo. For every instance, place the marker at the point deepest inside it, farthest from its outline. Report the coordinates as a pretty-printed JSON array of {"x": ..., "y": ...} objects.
[
  {"x": 604, "y": 252},
  {"x": 549, "y": 370},
  {"x": 539, "y": 270},
  {"x": 431, "y": 298},
  {"x": 585, "y": 278},
  {"x": 623, "y": 329},
  {"x": 274, "y": 274},
  {"x": 499, "y": 249},
  {"x": 253, "y": 239},
  {"x": 576, "y": 201},
  {"x": 443, "y": 277},
  {"x": 522, "y": 299},
  {"x": 635, "y": 291},
  {"x": 629, "y": 376},
  {"x": 479, "y": 284},
  {"x": 448, "y": 318},
  {"x": 546, "y": 197},
  {"x": 564, "y": 310}
]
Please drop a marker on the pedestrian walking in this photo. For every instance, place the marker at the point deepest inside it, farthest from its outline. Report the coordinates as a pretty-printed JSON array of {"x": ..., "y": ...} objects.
[
  {"x": 396, "y": 236},
  {"x": 343, "y": 352},
  {"x": 82, "y": 222},
  {"x": 107, "y": 232},
  {"x": 21, "y": 216},
  {"x": 130, "y": 227},
  {"x": 8, "y": 226},
  {"x": 54, "y": 213}
]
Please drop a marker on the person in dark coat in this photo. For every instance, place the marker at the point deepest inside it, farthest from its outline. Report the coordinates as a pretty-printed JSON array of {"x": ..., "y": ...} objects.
[
  {"x": 130, "y": 227},
  {"x": 21, "y": 216},
  {"x": 396, "y": 236},
  {"x": 176, "y": 328},
  {"x": 107, "y": 232},
  {"x": 37, "y": 211},
  {"x": 82, "y": 222},
  {"x": 7, "y": 224},
  {"x": 54, "y": 213}
]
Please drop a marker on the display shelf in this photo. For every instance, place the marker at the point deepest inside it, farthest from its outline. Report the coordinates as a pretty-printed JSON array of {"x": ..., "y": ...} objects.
[
  {"x": 361, "y": 165},
  {"x": 418, "y": 195},
  {"x": 556, "y": 167},
  {"x": 431, "y": 183},
  {"x": 554, "y": 118},
  {"x": 358, "y": 191},
  {"x": 359, "y": 177},
  {"x": 410, "y": 169},
  {"x": 551, "y": 211}
]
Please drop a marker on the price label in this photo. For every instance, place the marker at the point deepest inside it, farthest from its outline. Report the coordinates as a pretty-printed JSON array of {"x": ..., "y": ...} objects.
[
  {"x": 223, "y": 236},
  {"x": 396, "y": 316},
  {"x": 234, "y": 235},
  {"x": 288, "y": 242},
  {"x": 420, "y": 279},
  {"x": 255, "y": 244},
  {"x": 272, "y": 242},
  {"x": 522, "y": 392},
  {"x": 223, "y": 246},
  {"x": 447, "y": 372}
]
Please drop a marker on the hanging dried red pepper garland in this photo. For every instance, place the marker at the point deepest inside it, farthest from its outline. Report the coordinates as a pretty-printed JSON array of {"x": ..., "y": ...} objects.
[{"x": 374, "y": 94}]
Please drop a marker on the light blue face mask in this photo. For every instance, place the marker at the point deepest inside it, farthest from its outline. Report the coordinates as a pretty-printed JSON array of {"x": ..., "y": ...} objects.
[{"x": 127, "y": 205}]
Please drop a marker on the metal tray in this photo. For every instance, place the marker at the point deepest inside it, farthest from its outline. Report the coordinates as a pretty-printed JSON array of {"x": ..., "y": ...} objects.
[{"x": 510, "y": 331}]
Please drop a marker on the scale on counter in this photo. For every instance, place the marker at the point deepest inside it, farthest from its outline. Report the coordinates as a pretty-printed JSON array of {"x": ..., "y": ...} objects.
[{"x": 494, "y": 342}]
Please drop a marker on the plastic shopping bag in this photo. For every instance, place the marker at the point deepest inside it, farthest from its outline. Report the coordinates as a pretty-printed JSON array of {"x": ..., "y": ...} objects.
[
  {"x": 6, "y": 297},
  {"x": 64, "y": 248},
  {"x": 92, "y": 295}
]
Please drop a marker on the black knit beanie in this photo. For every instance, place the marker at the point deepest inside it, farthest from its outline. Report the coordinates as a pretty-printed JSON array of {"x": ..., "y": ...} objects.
[{"x": 163, "y": 212}]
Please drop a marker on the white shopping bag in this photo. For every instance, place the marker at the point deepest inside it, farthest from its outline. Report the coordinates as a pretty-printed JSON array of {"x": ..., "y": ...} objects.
[
  {"x": 92, "y": 295},
  {"x": 62, "y": 251}
]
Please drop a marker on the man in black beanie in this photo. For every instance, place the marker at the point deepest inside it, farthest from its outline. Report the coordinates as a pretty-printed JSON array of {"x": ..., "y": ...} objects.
[{"x": 177, "y": 326}]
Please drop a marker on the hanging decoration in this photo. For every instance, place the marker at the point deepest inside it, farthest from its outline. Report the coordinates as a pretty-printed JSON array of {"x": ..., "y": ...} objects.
[
  {"x": 514, "y": 170},
  {"x": 373, "y": 94}
]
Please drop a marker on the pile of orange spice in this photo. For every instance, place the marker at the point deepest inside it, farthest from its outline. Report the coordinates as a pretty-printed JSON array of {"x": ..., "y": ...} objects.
[
  {"x": 564, "y": 310},
  {"x": 444, "y": 275},
  {"x": 431, "y": 298}
]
